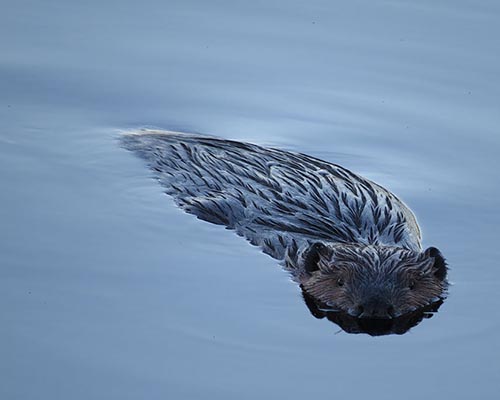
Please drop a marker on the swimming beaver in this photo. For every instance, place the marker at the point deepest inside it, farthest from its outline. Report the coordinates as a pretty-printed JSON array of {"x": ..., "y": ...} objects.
[{"x": 353, "y": 246}]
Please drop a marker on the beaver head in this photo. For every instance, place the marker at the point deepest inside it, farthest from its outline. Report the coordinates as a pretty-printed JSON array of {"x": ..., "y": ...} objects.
[{"x": 373, "y": 281}]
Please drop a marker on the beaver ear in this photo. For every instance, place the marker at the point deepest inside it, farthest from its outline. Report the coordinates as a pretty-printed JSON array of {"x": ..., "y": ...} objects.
[
  {"x": 439, "y": 267},
  {"x": 312, "y": 256}
]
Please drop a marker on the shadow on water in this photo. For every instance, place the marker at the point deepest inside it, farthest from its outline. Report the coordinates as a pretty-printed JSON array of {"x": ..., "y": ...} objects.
[{"x": 370, "y": 326}]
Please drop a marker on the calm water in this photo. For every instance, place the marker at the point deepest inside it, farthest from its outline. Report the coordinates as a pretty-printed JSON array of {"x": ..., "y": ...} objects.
[{"x": 110, "y": 292}]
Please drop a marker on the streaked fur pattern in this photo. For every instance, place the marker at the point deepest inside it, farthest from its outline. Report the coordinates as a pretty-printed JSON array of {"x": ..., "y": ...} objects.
[{"x": 326, "y": 224}]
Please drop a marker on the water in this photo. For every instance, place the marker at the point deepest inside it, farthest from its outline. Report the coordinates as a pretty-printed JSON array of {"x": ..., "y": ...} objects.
[{"x": 108, "y": 291}]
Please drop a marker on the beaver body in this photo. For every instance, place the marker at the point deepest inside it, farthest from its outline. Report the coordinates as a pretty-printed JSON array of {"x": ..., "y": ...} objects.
[{"x": 351, "y": 244}]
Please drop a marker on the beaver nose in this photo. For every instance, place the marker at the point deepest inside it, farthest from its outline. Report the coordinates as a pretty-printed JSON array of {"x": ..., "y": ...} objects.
[{"x": 375, "y": 308}]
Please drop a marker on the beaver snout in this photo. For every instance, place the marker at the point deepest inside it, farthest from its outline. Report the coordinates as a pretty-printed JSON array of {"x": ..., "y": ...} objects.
[{"x": 374, "y": 307}]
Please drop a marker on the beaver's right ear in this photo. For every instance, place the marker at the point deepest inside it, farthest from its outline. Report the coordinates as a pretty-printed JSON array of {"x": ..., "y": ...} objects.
[
  {"x": 312, "y": 257},
  {"x": 439, "y": 267}
]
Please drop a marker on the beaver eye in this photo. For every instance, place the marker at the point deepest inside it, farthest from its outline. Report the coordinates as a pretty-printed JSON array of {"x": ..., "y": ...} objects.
[
  {"x": 411, "y": 285},
  {"x": 340, "y": 282}
]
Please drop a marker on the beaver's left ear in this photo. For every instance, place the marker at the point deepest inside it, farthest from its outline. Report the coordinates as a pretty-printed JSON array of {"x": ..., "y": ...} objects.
[
  {"x": 312, "y": 256},
  {"x": 439, "y": 267}
]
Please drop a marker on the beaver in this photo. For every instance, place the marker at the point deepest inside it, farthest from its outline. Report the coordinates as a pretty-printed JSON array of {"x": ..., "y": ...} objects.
[{"x": 352, "y": 246}]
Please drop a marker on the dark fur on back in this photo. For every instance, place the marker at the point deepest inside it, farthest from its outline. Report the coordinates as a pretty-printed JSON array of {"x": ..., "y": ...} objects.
[{"x": 326, "y": 224}]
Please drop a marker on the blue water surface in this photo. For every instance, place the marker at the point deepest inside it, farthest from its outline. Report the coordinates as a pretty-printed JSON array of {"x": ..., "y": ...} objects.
[{"x": 108, "y": 291}]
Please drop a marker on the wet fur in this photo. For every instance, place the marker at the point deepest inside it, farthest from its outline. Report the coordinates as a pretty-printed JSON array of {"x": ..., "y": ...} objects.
[{"x": 319, "y": 219}]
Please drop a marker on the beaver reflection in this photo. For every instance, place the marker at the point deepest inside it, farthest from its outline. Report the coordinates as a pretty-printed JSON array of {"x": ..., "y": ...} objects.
[
  {"x": 352, "y": 246},
  {"x": 370, "y": 326}
]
